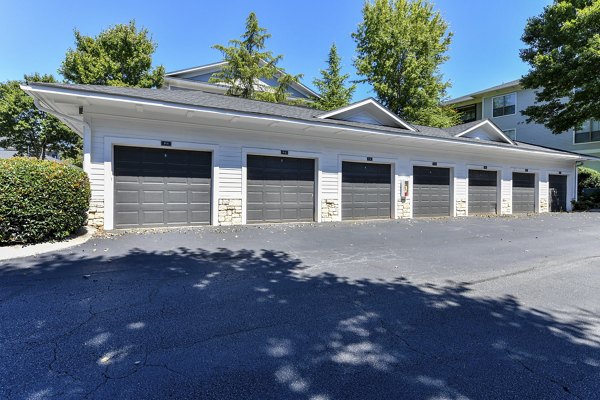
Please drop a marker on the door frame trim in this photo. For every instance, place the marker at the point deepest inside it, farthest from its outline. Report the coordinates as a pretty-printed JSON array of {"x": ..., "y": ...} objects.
[
  {"x": 270, "y": 152},
  {"x": 392, "y": 162},
  {"x": 111, "y": 141}
]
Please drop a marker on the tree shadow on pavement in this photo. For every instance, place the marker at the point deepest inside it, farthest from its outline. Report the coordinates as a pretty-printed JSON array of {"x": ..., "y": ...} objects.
[{"x": 192, "y": 323}]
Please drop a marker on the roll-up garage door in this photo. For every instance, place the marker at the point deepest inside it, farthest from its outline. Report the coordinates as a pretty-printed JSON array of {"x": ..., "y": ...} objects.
[
  {"x": 523, "y": 195},
  {"x": 161, "y": 187},
  {"x": 280, "y": 189},
  {"x": 483, "y": 192},
  {"x": 431, "y": 192},
  {"x": 366, "y": 190},
  {"x": 557, "y": 193}
]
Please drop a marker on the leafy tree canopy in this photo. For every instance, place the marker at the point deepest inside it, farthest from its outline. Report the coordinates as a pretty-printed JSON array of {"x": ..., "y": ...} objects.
[
  {"x": 118, "y": 56},
  {"x": 400, "y": 47},
  {"x": 332, "y": 84},
  {"x": 564, "y": 54},
  {"x": 248, "y": 62},
  {"x": 30, "y": 131}
]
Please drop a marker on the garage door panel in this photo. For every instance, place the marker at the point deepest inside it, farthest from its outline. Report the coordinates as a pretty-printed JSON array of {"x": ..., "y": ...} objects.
[
  {"x": 557, "y": 193},
  {"x": 279, "y": 189},
  {"x": 523, "y": 195},
  {"x": 161, "y": 186},
  {"x": 366, "y": 190},
  {"x": 483, "y": 192},
  {"x": 431, "y": 191},
  {"x": 152, "y": 217}
]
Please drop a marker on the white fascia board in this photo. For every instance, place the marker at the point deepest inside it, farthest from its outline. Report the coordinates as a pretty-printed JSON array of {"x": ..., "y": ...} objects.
[
  {"x": 363, "y": 103},
  {"x": 489, "y": 124},
  {"x": 194, "y": 69},
  {"x": 270, "y": 119}
]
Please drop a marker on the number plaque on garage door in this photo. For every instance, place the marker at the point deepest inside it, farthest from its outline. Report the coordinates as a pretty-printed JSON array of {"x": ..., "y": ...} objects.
[
  {"x": 280, "y": 189},
  {"x": 161, "y": 187}
]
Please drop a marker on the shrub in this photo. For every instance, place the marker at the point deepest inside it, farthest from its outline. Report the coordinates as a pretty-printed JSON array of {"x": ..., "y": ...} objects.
[
  {"x": 41, "y": 200},
  {"x": 587, "y": 179}
]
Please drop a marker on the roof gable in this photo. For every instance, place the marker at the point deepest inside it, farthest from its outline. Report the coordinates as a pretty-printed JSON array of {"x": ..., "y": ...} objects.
[
  {"x": 367, "y": 111},
  {"x": 199, "y": 77},
  {"x": 481, "y": 130}
]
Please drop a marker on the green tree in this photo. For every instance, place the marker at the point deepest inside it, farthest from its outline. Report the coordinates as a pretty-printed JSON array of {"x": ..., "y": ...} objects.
[
  {"x": 400, "y": 47},
  {"x": 248, "y": 62},
  {"x": 332, "y": 84},
  {"x": 30, "y": 131},
  {"x": 118, "y": 56},
  {"x": 563, "y": 50}
]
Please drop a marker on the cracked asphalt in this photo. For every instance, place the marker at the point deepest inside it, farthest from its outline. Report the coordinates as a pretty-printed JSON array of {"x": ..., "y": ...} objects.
[{"x": 468, "y": 308}]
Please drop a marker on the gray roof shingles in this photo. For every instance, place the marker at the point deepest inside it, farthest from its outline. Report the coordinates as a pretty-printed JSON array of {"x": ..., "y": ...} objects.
[{"x": 230, "y": 103}]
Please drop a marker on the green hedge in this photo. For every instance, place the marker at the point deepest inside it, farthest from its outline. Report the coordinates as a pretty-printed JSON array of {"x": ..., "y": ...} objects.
[
  {"x": 587, "y": 178},
  {"x": 41, "y": 200}
]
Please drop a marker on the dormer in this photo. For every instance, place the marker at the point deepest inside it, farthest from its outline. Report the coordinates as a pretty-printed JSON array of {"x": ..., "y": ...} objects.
[
  {"x": 367, "y": 111},
  {"x": 198, "y": 78},
  {"x": 484, "y": 130}
]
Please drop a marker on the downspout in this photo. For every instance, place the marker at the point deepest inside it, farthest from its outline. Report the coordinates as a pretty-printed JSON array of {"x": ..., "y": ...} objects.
[{"x": 577, "y": 165}]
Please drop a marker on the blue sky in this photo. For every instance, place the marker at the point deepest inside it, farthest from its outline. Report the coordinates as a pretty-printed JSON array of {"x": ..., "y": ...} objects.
[{"x": 484, "y": 52}]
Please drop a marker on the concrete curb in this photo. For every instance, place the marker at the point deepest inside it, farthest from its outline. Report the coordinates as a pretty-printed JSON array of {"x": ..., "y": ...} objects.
[{"x": 19, "y": 251}]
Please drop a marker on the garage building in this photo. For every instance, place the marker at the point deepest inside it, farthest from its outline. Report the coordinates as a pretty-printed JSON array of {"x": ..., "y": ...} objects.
[{"x": 158, "y": 157}]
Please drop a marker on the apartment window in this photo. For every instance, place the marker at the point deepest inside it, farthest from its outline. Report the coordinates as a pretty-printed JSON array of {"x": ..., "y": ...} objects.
[
  {"x": 468, "y": 113},
  {"x": 504, "y": 105},
  {"x": 511, "y": 134},
  {"x": 588, "y": 132}
]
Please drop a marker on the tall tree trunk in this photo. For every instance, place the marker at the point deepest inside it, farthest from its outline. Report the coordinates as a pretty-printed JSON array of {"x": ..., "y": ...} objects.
[{"x": 43, "y": 154}]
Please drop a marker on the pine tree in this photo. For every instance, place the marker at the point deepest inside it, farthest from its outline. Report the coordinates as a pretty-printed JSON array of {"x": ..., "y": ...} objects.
[
  {"x": 332, "y": 84},
  {"x": 248, "y": 62}
]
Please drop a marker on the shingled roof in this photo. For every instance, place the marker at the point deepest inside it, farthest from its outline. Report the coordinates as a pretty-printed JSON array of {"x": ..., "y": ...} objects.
[{"x": 230, "y": 103}]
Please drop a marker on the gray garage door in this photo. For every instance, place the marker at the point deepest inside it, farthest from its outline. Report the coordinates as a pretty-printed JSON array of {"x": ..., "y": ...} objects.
[
  {"x": 431, "y": 192},
  {"x": 366, "y": 190},
  {"x": 280, "y": 189},
  {"x": 161, "y": 187},
  {"x": 523, "y": 192},
  {"x": 557, "y": 193},
  {"x": 483, "y": 192}
]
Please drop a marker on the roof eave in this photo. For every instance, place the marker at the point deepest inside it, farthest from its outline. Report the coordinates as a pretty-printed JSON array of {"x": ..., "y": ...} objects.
[{"x": 32, "y": 90}]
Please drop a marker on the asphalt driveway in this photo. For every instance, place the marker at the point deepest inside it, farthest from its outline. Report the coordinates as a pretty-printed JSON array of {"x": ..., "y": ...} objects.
[{"x": 471, "y": 308}]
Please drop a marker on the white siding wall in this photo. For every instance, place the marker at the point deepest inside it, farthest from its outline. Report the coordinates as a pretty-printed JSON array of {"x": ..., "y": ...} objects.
[{"x": 230, "y": 145}]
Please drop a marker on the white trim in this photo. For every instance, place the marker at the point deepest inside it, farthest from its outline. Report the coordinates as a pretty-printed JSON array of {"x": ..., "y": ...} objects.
[
  {"x": 486, "y": 122},
  {"x": 261, "y": 151},
  {"x": 111, "y": 141},
  {"x": 336, "y": 127},
  {"x": 363, "y": 103},
  {"x": 503, "y": 95},
  {"x": 510, "y": 129},
  {"x": 198, "y": 68},
  {"x": 392, "y": 162},
  {"x": 87, "y": 148}
]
